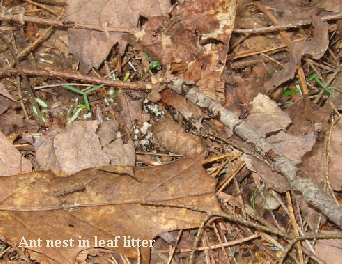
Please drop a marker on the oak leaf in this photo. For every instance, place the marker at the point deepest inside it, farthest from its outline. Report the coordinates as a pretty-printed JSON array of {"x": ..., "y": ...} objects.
[{"x": 99, "y": 204}]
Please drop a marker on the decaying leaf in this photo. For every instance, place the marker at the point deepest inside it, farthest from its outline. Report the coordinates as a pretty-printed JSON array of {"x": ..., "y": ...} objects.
[
  {"x": 172, "y": 137},
  {"x": 329, "y": 250},
  {"x": 186, "y": 108},
  {"x": 273, "y": 180},
  {"x": 95, "y": 205},
  {"x": 79, "y": 147},
  {"x": 192, "y": 44},
  {"x": 6, "y": 99},
  {"x": 11, "y": 160},
  {"x": 293, "y": 147},
  {"x": 315, "y": 48},
  {"x": 91, "y": 47},
  {"x": 266, "y": 117},
  {"x": 4, "y": 92}
]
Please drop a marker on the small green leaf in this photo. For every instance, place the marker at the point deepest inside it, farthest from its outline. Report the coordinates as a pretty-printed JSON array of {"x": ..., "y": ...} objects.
[
  {"x": 85, "y": 98},
  {"x": 35, "y": 111},
  {"x": 73, "y": 89},
  {"x": 41, "y": 102},
  {"x": 94, "y": 89},
  {"x": 154, "y": 64},
  {"x": 74, "y": 116},
  {"x": 147, "y": 57},
  {"x": 289, "y": 92},
  {"x": 127, "y": 76}
]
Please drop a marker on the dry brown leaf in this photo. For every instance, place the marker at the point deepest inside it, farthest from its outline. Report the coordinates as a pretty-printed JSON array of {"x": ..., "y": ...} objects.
[
  {"x": 266, "y": 117},
  {"x": 315, "y": 48},
  {"x": 78, "y": 147},
  {"x": 92, "y": 47},
  {"x": 4, "y": 92},
  {"x": 172, "y": 137},
  {"x": 331, "y": 5},
  {"x": 99, "y": 203},
  {"x": 329, "y": 250},
  {"x": 6, "y": 99},
  {"x": 273, "y": 180},
  {"x": 193, "y": 43},
  {"x": 186, "y": 108},
  {"x": 293, "y": 147},
  {"x": 11, "y": 160}
]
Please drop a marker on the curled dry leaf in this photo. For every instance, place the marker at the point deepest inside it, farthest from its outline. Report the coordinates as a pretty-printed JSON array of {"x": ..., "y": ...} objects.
[{"x": 172, "y": 136}]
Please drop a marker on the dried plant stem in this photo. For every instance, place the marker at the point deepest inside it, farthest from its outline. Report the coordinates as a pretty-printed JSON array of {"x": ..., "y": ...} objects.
[
  {"x": 310, "y": 190},
  {"x": 70, "y": 24},
  {"x": 283, "y": 27},
  {"x": 63, "y": 24},
  {"x": 229, "y": 217},
  {"x": 82, "y": 78},
  {"x": 295, "y": 227},
  {"x": 223, "y": 244}
]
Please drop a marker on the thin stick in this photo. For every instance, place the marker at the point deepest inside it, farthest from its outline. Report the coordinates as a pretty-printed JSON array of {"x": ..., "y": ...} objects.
[
  {"x": 82, "y": 78},
  {"x": 222, "y": 245},
  {"x": 283, "y": 27},
  {"x": 65, "y": 24}
]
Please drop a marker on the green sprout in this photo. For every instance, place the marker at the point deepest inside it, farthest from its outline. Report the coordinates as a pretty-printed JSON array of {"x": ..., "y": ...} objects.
[
  {"x": 270, "y": 74},
  {"x": 40, "y": 116},
  {"x": 320, "y": 83},
  {"x": 75, "y": 115},
  {"x": 153, "y": 64},
  {"x": 84, "y": 93},
  {"x": 127, "y": 77},
  {"x": 288, "y": 92},
  {"x": 41, "y": 102}
]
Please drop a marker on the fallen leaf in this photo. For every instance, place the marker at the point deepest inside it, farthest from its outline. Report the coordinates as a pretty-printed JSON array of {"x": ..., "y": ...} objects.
[
  {"x": 266, "y": 117},
  {"x": 192, "y": 44},
  {"x": 186, "y": 108},
  {"x": 4, "y": 92},
  {"x": 329, "y": 250},
  {"x": 293, "y": 147},
  {"x": 11, "y": 160},
  {"x": 273, "y": 180},
  {"x": 172, "y": 137},
  {"x": 99, "y": 205},
  {"x": 78, "y": 147},
  {"x": 335, "y": 174},
  {"x": 90, "y": 47},
  {"x": 315, "y": 48},
  {"x": 332, "y": 5}
]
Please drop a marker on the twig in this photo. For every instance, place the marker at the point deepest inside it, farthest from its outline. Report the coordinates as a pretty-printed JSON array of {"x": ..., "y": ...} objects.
[
  {"x": 301, "y": 238},
  {"x": 72, "y": 24},
  {"x": 310, "y": 190},
  {"x": 198, "y": 237},
  {"x": 221, "y": 245},
  {"x": 295, "y": 227},
  {"x": 44, "y": 36},
  {"x": 24, "y": 79},
  {"x": 51, "y": 2},
  {"x": 287, "y": 40},
  {"x": 64, "y": 24},
  {"x": 82, "y": 78},
  {"x": 42, "y": 6},
  {"x": 283, "y": 27}
]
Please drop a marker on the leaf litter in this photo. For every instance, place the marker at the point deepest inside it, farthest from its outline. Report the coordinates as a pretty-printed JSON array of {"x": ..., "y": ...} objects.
[{"x": 285, "y": 144}]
